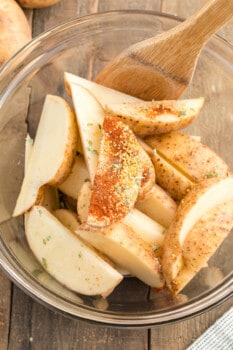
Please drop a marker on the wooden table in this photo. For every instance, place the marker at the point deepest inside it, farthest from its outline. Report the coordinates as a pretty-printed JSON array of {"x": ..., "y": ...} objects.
[{"x": 25, "y": 324}]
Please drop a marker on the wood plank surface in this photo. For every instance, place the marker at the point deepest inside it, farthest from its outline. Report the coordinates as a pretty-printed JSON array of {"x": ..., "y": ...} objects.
[{"x": 24, "y": 323}]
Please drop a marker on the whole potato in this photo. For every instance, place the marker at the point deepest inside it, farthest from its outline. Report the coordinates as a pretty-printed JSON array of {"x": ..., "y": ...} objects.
[
  {"x": 14, "y": 28},
  {"x": 36, "y": 3}
]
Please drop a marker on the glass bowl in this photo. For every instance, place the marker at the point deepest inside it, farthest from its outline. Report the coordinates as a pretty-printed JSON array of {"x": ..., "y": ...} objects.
[{"x": 83, "y": 47}]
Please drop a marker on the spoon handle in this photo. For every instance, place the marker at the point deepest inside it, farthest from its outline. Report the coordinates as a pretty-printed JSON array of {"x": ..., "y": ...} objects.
[{"x": 206, "y": 21}]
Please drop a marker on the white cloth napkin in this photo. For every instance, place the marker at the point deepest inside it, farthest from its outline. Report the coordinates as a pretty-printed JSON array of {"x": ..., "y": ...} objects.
[{"x": 219, "y": 336}]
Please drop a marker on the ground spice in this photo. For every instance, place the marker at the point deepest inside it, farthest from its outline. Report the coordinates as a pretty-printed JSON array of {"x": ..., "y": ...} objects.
[{"x": 118, "y": 176}]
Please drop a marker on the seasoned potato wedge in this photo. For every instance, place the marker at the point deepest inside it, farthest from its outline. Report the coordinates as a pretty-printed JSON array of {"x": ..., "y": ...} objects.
[
  {"x": 78, "y": 175},
  {"x": 146, "y": 228},
  {"x": 170, "y": 179},
  {"x": 118, "y": 176},
  {"x": 127, "y": 250},
  {"x": 148, "y": 175},
  {"x": 102, "y": 94},
  {"x": 81, "y": 269},
  {"x": 53, "y": 152},
  {"x": 205, "y": 213},
  {"x": 188, "y": 155},
  {"x": 156, "y": 117}
]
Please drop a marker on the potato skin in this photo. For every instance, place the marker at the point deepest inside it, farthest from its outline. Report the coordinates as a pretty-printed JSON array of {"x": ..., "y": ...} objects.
[
  {"x": 202, "y": 242},
  {"x": 14, "y": 28},
  {"x": 37, "y": 3},
  {"x": 181, "y": 261},
  {"x": 194, "y": 159}
]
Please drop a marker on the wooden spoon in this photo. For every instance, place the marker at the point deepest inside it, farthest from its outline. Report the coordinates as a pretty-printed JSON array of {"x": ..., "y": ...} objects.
[{"x": 162, "y": 67}]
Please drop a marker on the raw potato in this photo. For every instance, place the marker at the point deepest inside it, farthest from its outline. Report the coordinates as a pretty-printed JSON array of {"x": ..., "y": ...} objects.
[
  {"x": 80, "y": 269},
  {"x": 50, "y": 198},
  {"x": 156, "y": 117},
  {"x": 170, "y": 179},
  {"x": 68, "y": 218},
  {"x": 102, "y": 94},
  {"x": 158, "y": 205},
  {"x": 14, "y": 28},
  {"x": 167, "y": 176},
  {"x": 83, "y": 202},
  {"x": 146, "y": 228},
  {"x": 53, "y": 152},
  {"x": 37, "y": 3},
  {"x": 78, "y": 175},
  {"x": 127, "y": 250},
  {"x": 191, "y": 157},
  {"x": 148, "y": 175},
  {"x": 118, "y": 176},
  {"x": 202, "y": 221},
  {"x": 90, "y": 117}
]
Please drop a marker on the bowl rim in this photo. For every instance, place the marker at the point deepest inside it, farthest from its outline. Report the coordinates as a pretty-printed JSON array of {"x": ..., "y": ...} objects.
[{"x": 32, "y": 287}]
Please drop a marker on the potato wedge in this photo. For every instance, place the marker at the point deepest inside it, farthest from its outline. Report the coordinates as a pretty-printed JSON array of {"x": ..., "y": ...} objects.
[
  {"x": 50, "y": 198},
  {"x": 148, "y": 175},
  {"x": 205, "y": 210},
  {"x": 102, "y": 94},
  {"x": 118, "y": 176},
  {"x": 127, "y": 250},
  {"x": 14, "y": 28},
  {"x": 80, "y": 269},
  {"x": 90, "y": 116},
  {"x": 170, "y": 179},
  {"x": 83, "y": 203},
  {"x": 68, "y": 218},
  {"x": 188, "y": 155},
  {"x": 158, "y": 205},
  {"x": 146, "y": 228},
  {"x": 53, "y": 152},
  {"x": 156, "y": 117},
  {"x": 78, "y": 175}
]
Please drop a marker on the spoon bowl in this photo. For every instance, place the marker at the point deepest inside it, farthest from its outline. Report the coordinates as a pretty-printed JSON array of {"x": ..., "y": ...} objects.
[{"x": 162, "y": 67}]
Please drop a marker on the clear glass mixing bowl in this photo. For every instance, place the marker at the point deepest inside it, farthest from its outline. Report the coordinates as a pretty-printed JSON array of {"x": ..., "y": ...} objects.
[{"x": 83, "y": 47}]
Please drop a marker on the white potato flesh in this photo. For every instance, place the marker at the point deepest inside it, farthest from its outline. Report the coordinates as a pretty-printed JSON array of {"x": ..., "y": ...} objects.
[
  {"x": 78, "y": 175},
  {"x": 66, "y": 258},
  {"x": 103, "y": 94},
  {"x": 52, "y": 154},
  {"x": 159, "y": 206},
  {"x": 202, "y": 198},
  {"x": 90, "y": 117},
  {"x": 149, "y": 230},
  {"x": 83, "y": 202},
  {"x": 156, "y": 117},
  {"x": 213, "y": 195},
  {"x": 50, "y": 198},
  {"x": 68, "y": 218},
  {"x": 127, "y": 250}
]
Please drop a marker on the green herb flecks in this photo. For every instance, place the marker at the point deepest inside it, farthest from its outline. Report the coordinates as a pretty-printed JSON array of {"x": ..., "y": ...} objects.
[
  {"x": 44, "y": 263},
  {"x": 37, "y": 272}
]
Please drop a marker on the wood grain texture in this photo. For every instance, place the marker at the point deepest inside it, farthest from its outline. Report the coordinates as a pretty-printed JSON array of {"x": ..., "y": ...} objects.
[
  {"x": 24, "y": 323},
  {"x": 162, "y": 67},
  {"x": 5, "y": 309}
]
